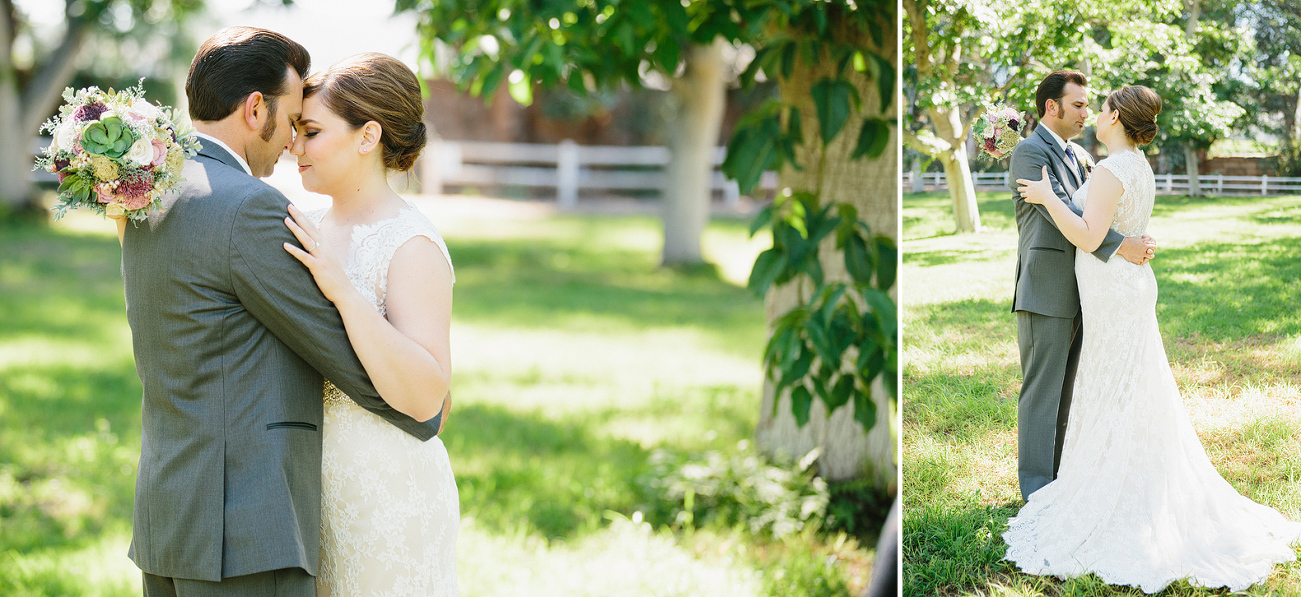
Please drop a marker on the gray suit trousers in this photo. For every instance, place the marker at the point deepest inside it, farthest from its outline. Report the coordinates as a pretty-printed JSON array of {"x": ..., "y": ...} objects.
[
  {"x": 1050, "y": 354},
  {"x": 285, "y": 582}
]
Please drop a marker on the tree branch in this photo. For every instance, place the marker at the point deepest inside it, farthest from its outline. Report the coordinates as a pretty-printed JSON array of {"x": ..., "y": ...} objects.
[
  {"x": 930, "y": 145},
  {"x": 43, "y": 91},
  {"x": 921, "y": 49}
]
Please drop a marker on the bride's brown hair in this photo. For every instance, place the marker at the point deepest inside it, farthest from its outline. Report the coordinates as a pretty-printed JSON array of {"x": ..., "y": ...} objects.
[
  {"x": 1138, "y": 107},
  {"x": 374, "y": 86}
]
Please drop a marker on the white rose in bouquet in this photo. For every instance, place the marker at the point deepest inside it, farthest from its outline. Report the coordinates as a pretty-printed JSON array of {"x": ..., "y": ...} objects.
[
  {"x": 66, "y": 136},
  {"x": 146, "y": 110},
  {"x": 141, "y": 152}
]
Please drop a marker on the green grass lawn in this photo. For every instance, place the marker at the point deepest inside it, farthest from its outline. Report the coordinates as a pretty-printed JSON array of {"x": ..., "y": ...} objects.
[
  {"x": 1229, "y": 281},
  {"x": 579, "y": 364}
]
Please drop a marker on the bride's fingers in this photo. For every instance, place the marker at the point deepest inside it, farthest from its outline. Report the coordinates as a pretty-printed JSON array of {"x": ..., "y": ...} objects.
[
  {"x": 305, "y": 222},
  {"x": 301, "y": 255},
  {"x": 304, "y": 238}
]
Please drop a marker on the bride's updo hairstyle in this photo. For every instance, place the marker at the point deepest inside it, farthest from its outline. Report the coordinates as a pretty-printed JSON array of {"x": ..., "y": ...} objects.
[
  {"x": 1138, "y": 107},
  {"x": 374, "y": 86}
]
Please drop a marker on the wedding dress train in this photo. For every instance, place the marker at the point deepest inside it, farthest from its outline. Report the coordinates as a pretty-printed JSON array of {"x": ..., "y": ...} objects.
[
  {"x": 389, "y": 507},
  {"x": 1136, "y": 500}
]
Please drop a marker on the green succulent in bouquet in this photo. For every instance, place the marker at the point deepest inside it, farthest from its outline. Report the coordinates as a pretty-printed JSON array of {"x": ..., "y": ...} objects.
[{"x": 109, "y": 136}]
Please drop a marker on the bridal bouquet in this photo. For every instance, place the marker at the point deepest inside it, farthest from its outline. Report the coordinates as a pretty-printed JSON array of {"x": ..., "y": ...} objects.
[
  {"x": 999, "y": 130},
  {"x": 114, "y": 152}
]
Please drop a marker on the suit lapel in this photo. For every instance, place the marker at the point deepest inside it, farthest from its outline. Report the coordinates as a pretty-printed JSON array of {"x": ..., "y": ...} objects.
[
  {"x": 1062, "y": 166},
  {"x": 211, "y": 150}
]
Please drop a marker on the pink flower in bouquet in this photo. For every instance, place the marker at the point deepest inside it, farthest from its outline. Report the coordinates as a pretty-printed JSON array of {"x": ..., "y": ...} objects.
[
  {"x": 104, "y": 193},
  {"x": 990, "y": 145},
  {"x": 134, "y": 202},
  {"x": 160, "y": 152}
]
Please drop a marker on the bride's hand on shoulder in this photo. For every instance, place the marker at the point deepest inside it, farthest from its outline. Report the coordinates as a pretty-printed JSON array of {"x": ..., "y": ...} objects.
[
  {"x": 1036, "y": 191},
  {"x": 325, "y": 266}
]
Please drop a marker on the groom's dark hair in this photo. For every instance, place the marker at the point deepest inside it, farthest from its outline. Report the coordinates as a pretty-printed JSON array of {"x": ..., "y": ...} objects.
[
  {"x": 1053, "y": 87},
  {"x": 236, "y": 62}
]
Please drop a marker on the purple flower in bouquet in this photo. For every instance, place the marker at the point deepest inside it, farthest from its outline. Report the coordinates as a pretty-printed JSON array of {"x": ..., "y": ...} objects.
[{"x": 89, "y": 112}]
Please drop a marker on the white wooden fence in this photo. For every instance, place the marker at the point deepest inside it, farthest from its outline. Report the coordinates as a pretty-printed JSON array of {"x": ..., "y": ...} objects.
[
  {"x": 1169, "y": 184},
  {"x": 566, "y": 167}
]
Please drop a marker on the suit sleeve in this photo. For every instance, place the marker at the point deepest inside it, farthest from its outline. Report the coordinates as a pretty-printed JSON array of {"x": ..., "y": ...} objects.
[
  {"x": 279, "y": 291},
  {"x": 1028, "y": 162}
]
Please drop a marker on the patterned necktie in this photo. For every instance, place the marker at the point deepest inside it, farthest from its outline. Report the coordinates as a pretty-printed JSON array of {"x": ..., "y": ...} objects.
[{"x": 1075, "y": 164}]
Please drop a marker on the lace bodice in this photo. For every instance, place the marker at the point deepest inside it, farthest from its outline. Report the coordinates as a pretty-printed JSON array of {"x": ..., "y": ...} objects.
[
  {"x": 390, "y": 513},
  {"x": 1135, "y": 206},
  {"x": 370, "y": 252}
]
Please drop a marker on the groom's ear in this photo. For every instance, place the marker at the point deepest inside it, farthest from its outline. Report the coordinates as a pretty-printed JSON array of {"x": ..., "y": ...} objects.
[{"x": 254, "y": 107}]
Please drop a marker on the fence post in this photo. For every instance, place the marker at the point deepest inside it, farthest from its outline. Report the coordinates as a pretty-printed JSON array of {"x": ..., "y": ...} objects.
[
  {"x": 1264, "y": 184},
  {"x": 731, "y": 194},
  {"x": 1219, "y": 183},
  {"x": 918, "y": 181},
  {"x": 567, "y": 174}
]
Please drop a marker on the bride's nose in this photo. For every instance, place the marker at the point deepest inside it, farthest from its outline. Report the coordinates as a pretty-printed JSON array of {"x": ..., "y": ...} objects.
[{"x": 296, "y": 145}]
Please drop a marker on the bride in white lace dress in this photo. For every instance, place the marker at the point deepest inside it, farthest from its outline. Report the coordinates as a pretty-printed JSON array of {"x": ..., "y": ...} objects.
[
  {"x": 1136, "y": 501},
  {"x": 389, "y": 507}
]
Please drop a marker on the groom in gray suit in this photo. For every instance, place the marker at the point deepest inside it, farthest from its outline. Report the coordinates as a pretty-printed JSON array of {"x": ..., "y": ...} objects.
[
  {"x": 232, "y": 338},
  {"x": 1047, "y": 301}
]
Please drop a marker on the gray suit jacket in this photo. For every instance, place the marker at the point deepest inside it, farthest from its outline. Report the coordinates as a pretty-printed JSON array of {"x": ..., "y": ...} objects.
[
  {"x": 231, "y": 338},
  {"x": 1045, "y": 265}
]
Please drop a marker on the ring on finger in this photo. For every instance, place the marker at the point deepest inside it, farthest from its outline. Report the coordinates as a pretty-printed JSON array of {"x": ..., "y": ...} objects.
[{"x": 314, "y": 245}]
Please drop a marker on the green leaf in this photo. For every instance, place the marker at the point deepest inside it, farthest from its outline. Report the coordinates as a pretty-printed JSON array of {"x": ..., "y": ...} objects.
[
  {"x": 491, "y": 81},
  {"x": 830, "y": 297},
  {"x": 833, "y": 101},
  {"x": 794, "y": 126},
  {"x": 752, "y": 150},
  {"x": 887, "y": 262},
  {"x": 873, "y": 139},
  {"x": 865, "y": 410},
  {"x": 884, "y": 310},
  {"x": 801, "y": 400},
  {"x": 840, "y": 393},
  {"x": 767, "y": 267},
  {"x": 522, "y": 91},
  {"x": 788, "y": 60},
  {"x": 797, "y": 370},
  {"x": 821, "y": 342},
  {"x": 885, "y": 81},
  {"x": 858, "y": 261},
  {"x": 763, "y": 218},
  {"x": 773, "y": 352}
]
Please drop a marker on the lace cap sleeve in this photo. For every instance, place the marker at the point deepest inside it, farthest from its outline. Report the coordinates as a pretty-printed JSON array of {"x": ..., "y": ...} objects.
[{"x": 1118, "y": 170}]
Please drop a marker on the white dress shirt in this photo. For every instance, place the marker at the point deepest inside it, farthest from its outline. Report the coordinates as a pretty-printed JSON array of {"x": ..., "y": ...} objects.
[{"x": 238, "y": 158}]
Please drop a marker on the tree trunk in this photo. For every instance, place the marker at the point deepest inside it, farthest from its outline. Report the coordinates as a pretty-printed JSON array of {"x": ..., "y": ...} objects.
[
  {"x": 872, "y": 186},
  {"x": 15, "y": 159},
  {"x": 1294, "y": 127},
  {"x": 957, "y": 170},
  {"x": 23, "y": 111},
  {"x": 1193, "y": 166},
  {"x": 699, "y": 94}
]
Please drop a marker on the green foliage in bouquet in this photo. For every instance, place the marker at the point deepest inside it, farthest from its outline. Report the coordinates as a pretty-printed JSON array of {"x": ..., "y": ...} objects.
[
  {"x": 110, "y": 137},
  {"x": 811, "y": 342},
  {"x": 77, "y": 187}
]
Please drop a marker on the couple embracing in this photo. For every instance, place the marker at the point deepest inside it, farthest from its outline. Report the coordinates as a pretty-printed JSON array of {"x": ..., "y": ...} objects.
[
  {"x": 296, "y": 366},
  {"x": 1115, "y": 479}
]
